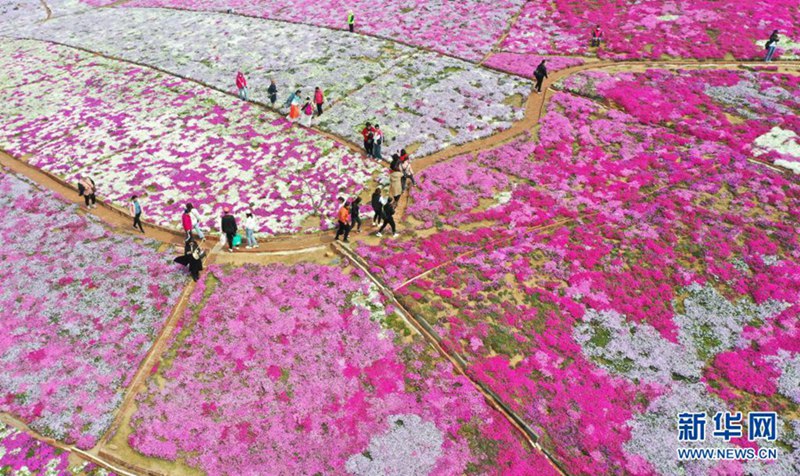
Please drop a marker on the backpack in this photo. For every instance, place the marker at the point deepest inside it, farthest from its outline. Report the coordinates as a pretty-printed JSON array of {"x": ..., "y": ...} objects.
[{"x": 81, "y": 189}]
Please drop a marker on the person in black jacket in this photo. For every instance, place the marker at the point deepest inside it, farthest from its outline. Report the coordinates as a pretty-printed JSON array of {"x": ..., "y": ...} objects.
[
  {"x": 229, "y": 228},
  {"x": 377, "y": 207},
  {"x": 192, "y": 257},
  {"x": 540, "y": 74},
  {"x": 771, "y": 45},
  {"x": 388, "y": 217},
  {"x": 272, "y": 92},
  {"x": 355, "y": 218}
]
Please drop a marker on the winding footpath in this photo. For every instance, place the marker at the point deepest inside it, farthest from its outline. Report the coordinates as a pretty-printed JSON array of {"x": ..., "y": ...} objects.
[{"x": 292, "y": 248}]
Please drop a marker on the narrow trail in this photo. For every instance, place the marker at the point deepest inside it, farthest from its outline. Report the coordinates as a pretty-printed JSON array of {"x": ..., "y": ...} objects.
[
  {"x": 47, "y": 10},
  {"x": 496, "y": 47}
]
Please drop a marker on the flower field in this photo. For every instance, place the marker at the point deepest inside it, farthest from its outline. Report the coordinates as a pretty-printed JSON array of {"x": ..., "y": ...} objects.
[
  {"x": 654, "y": 28},
  {"x": 140, "y": 132},
  {"x": 303, "y": 368},
  {"x": 80, "y": 312},
  {"x": 628, "y": 264},
  {"x": 423, "y": 101},
  {"x": 22, "y": 455},
  {"x": 588, "y": 266},
  {"x": 466, "y": 29}
]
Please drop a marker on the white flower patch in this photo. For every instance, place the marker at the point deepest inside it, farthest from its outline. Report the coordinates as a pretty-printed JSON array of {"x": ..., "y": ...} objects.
[
  {"x": 411, "y": 447},
  {"x": 783, "y": 142}
]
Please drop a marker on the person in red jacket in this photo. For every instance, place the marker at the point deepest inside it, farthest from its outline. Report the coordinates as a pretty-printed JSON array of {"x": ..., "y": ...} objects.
[
  {"x": 186, "y": 220},
  {"x": 241, "y": 84},
  {"x": 344, "y": 220},
  {"x": 319, "y": 99},
  {"x": 368, "y": 133},
  {"x": 597, "y": 36}
]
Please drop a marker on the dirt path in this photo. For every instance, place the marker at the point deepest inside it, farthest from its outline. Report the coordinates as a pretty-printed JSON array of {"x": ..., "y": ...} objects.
[{"x": 47, "y": 10}]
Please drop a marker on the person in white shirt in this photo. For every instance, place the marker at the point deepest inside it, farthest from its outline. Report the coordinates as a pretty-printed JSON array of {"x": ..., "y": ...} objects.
[
  {"x": 196, "y": 220},
  {"x": 250, "y": 229}
]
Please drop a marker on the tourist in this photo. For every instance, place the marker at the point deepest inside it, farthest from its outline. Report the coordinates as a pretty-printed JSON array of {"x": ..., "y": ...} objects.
[
  {"x": 272, "y": 92},
  {"x": 771, "y": 45},
  {"x": 540, "y": 74},
  {"x": 404, "y": 156},
  {"x": 196, "y": 220},
  {"x": 294, "y": 107},
  {"x": 351, "y": 21},
  {"x": 377, "y": 207},
  {"x": 319, "y": 99},
  {"x": 368, "y": 133},
  {"x": 250, "y": 229},
  {"x": 388, "y": 217},
  {"x": 228, "y": 226},
  {"x": 597, "y": 36},
  {"x": 355, "y": 214},
  {"x": 241, "y": 84},
  {"x": 87, "y": 188},
  {"x": 408, "y": 174},
  {"x": 291, "y": 99},
  {"x": 186, "y": 220},
  {"x": 377, "y": 142},
  {"x": 308, "y": 113},
  {"x": 193, "y": 258},
  {"x": 136, "y": 211},
  {"x": 395, "y": 179},
  {"x": 343, "y": 221}
]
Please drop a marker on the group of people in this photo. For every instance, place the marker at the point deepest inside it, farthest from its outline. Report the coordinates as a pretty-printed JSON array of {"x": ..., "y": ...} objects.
[
  {"x": 401, "y": 177},
  {"x": 373, "y": 140},
  {"x": 229, "y": 230},
  {"x": 298, "y": 110}
]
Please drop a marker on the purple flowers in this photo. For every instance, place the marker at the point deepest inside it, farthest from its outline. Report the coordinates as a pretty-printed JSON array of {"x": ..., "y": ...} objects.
[{"x": 81, "y": 308}]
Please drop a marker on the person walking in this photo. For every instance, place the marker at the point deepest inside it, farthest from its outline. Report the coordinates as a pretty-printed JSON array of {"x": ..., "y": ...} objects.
[
  {"x": 377, "y": 142},
  {"x": 355, "y": 215},
  {"x": 368, "y": 133},
  {"x": 241, "y": 84},
  {"x": 272, "y": 92},
  {"x": 343, "y": 221},
  {"x": 291, "y": 99},
  {"x": 351, "y": 21},
  {"x": 377, "y": 207},
  {"x": 597, "y": 36},
  {"x": 87, "y": 188},
  {"x": 197, "y": 219},
  {"x": 408, "y": 174},
  {"x": 540, "y": 74},
  {"x": 186, "y": 220},
  {"x": 395, "y": 179},
  {"x": 308, "y": 113},
  {"x": 250, "y": 229},
  {"x": 388, "y": 217},
  {"x": 771, "y": 45},
  {"x": 319, "y": 100},
  {"x": 229, "y": 228},
  {"x": 294, "y": 107},
  {"x": 135, "y": 210}
]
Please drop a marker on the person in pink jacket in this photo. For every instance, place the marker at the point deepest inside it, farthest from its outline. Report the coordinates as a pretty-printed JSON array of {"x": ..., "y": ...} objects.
[
  {"x": 186, "y": 219},
  {"x": 319, "y": 99},
  {"x": 241, "y": 84}
]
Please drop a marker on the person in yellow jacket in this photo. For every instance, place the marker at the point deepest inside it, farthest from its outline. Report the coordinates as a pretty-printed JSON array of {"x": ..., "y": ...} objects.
[
  {"x": 351, "y": 21},
  {"x": 344, "y": 220}
]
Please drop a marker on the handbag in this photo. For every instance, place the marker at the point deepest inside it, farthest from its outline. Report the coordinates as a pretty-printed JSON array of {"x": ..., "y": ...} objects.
[{"x": 237, "y": 240}]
